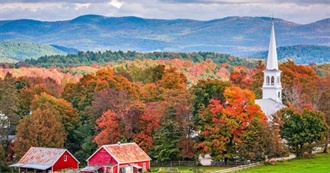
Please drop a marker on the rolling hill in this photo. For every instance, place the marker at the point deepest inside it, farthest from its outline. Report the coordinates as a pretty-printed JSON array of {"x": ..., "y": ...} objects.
[
  {"x": 300, "y": 54},
  {"x": 239, "y": 36},
  {"x": 11, "y": 51}
]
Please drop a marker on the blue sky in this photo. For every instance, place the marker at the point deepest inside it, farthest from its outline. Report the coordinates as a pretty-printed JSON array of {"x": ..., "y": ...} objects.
[{"x": 298, "y": 11}]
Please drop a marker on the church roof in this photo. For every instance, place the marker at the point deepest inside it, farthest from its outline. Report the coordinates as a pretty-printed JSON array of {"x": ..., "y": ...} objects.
[
  {"x": 269, "y": 106},
  {"x": 272, "y": 54}
]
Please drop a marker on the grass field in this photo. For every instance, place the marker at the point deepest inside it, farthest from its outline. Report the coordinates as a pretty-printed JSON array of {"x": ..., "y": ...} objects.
[
  {"x": 186, "y": 169},
  {"x": 318, "y": 164}
]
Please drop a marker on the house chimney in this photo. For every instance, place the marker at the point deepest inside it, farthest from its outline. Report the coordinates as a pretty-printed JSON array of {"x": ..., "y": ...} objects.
[{"x": 118, "y": 142}]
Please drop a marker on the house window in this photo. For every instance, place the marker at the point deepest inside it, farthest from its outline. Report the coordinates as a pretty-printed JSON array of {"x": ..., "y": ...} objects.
[{"x": 65, "y": 158}]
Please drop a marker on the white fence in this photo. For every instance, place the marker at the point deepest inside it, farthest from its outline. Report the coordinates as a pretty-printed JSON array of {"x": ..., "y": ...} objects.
[{"x": 238, "y": 168}]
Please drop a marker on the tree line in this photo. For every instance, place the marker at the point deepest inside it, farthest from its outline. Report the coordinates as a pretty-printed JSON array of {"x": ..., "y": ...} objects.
[
  {"x": 90, "y": 57},
  {"x": 167, "y": 118}
]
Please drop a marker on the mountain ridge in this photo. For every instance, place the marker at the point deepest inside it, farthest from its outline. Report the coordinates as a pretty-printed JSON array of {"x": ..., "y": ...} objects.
[{"x": 239, "y": 36}]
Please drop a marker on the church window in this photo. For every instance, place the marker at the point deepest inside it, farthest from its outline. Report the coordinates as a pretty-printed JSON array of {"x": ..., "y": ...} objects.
[
  {"x": 279, "y": 94},
  {"x": 272, "y": 80},
  {"x": 267, "y": 80}
]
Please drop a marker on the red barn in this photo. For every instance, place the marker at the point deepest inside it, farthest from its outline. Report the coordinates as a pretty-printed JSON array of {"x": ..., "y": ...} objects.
[
  {"x": 39, "y": 159},
  {"x": 115, "y": 158}
]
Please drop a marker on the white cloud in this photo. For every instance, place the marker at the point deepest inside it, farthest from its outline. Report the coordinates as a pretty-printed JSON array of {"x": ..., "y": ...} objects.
[
  {"x": 116, "y": 3},
  {"x": 300, "y": 11},
  {"x": 80, "y": 6}
]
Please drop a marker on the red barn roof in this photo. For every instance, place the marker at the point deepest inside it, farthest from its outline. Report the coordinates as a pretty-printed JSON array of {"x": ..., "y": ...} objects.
[
  {"x": 41, "y": 158},
  {"x": 125, "y": 153}
]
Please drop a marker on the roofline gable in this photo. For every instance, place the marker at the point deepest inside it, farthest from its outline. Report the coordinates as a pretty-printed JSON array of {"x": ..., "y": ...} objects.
[
  {"x": 104, "y": 147},
  {"x": 65, "y": 150},
  {"x": 52, "y": 164},
  {"x": 97, "y": 152}
]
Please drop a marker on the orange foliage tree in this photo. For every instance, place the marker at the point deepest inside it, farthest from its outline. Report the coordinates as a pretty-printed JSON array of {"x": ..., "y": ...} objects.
[
  {"x": 299, "y": 84},
  {"x": 224, "y": 123},
  {"x": 43, "y": 128}
]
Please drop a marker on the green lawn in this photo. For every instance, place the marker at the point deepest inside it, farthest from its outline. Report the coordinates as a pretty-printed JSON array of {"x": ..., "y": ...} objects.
[
  {"x": 318, "y": 164},
  {"x": 187, "y": 169}
]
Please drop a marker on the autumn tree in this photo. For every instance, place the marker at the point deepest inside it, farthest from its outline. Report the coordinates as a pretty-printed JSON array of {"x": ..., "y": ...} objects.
[
  {"x": 171, "y": 79},
  {"x": 299, "y": 84},
  {"x": 148, "y": 124},
  {"x": 253, "y": 144},
  {"x": 167, "y": 137},
  {"x": 136, "y": 123},
  {"x": 324, "y": 103},
  {"x": 109, "y": 126},
  {"x": 147, "y": 75},
  {"x": 175, "y": 128},
  {"x": 225, "y": 122},
  {"x": 203, "y": 92},
  {"x": 257, "y": 79},
  {"x": 247, "y": 78},
  {"x": 302, "y": 129},
  {"x": 68, "y": 115},
  {"x": 275, "y": 145},
  {"x": 43, "y": 128},
  {"x": 81, "y": 96},
  {"x": 108, "y": 99},
  {"x": 8, "y": 106},
  {"x": 241, "y": 77}
]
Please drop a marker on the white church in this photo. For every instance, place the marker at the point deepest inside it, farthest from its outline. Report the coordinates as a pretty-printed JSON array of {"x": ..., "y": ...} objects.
[{"x": 271, "y": 100}]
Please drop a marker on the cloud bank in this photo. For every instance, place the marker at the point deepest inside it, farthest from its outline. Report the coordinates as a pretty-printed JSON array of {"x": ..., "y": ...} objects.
[{"x": 299, "y": 11}]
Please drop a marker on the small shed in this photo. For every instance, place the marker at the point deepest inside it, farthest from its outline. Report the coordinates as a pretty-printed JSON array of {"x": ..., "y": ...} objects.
[
  {"x": 38, "y": 159},
  {"x": 118, "y": 158}
]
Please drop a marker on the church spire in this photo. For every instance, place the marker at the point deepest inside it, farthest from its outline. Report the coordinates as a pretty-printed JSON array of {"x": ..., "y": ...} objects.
[
  {"x": 272, "y": 54},
  {"x": 272, "y": 88}
]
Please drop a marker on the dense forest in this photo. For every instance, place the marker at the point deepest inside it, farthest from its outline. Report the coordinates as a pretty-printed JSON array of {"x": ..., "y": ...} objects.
[
  {"x": 300, "y": 54},
  {"x": 89, "y": 57},
  {"x": 159, "y": 100}
]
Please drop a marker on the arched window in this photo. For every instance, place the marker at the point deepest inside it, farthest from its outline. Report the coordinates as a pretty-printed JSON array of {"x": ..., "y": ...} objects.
[
  {"x": 278, "y": 80},
  {"x": 272, "y": 80},
  {"x": 267, "y": 80},
  {"x": 279, "y": 94}
]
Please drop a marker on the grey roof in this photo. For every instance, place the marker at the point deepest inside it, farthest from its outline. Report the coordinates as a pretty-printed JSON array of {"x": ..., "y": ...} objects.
[
  {"x": 31, "y": 166},
  {"x": 41, "y": 158},
  {"x": 269, "y": 106}
]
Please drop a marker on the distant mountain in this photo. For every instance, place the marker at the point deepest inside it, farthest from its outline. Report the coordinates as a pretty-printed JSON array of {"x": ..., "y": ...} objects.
[
  {"x": 239, "y": 36},
  {"x": 300, "y": 54},
  {"x": 13, "y": 51}
]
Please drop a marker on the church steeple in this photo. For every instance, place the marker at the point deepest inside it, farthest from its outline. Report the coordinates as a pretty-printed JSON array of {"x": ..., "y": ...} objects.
[
  {"x": 272, "y": 54},
  {"x": 272, "y": 88}
]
